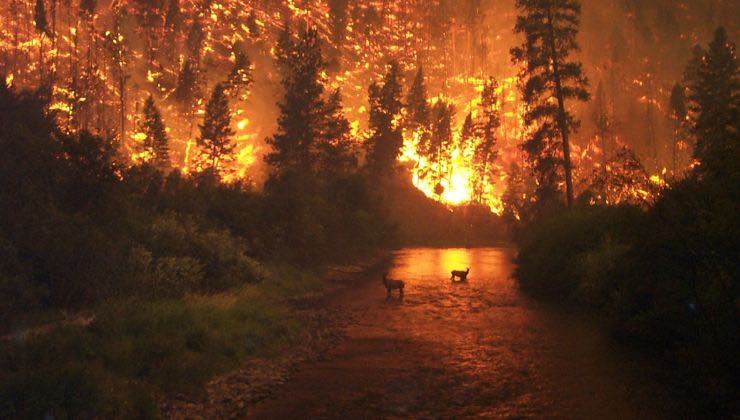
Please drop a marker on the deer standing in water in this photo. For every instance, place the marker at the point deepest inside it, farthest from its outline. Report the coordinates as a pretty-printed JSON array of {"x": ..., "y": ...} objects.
[
  {"x": 462, "y": 275},
  {"x": 391, "y": 284}
]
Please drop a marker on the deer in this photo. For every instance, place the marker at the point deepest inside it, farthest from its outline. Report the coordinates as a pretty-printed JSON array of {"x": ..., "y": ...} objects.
[
  {"x": 462, "y": 275},
  {"x": 391, "y": 284}
]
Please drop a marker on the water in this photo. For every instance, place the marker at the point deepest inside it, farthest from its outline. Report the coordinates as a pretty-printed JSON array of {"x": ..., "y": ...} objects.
[{"x": 478, "y": 348}]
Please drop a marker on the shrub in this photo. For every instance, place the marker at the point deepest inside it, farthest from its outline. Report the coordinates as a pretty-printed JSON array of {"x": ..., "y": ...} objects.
[{"x": 553, "y": 255}]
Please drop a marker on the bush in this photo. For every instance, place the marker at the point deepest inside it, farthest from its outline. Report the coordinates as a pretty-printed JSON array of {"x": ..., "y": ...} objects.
[
  {"x": 215, "y": 259},
  {"x": 667, "y": 278},
  {"x": 555, "y": 251}
]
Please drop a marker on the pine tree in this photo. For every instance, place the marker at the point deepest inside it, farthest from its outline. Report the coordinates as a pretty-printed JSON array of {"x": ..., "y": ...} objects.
[
  {"x": 417, "y": 111},
  {"x": 118, "y": 49},
  {"x": 150, "y": 17},
  {"x": 338, "y": 13},
  {"x": 386, "y": 140},
  {"x": 240, "y": 76},
  {"x": 515, "y": 197},
  {"x": 550, "y": 28},
  {"x": 154, "y": 144},
  {"x": 603, "y": 123},
  {"x": 186, "y": 90},
  {"x": 485, "y": 153},
  {"x": 417, "y": 102},
  {"x": 678, "y": 114},
  {"x": 42, "y": 26},
  {"x": 215, "y": 140},
  {"x": 194, "y": 40},
  {"x": 713, "y": 87},
  {"x": 302, "y": 109},
  {"x": 39, "y": 18},
  {"x": 335, "y": 155},
  {"x": 173, "y": 21},
  {"x": 441, "y": 141},
  {"x": 467, "y": 132}
]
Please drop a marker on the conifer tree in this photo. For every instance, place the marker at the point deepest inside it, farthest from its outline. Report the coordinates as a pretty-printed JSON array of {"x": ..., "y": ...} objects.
[
  {"x": 155, "y": 143},
  {"x": 441, "y": 140},
  {"x": 39, "y": 18},
  {"x": 467, "y": 132},
  {"x": 186, "y": 90},
  {"x": 42, "y": 26},
  {"x": 240, "y": 76},
  {"x": 302, "y": 109},
  {"x": 172, "y": 26},
  {"x": 215, "y": 140},
  {"x": 194, "y": 40},
  {"x": 485, "y": 153},
  {"x": 338, "y": 12},
  {"x": 603, "y": 124},
  {"x": 550, "y": 28},
  {"x": 417, "y": 102},
  {"x": 118, "y": 49},
  {"x": 713, "y": 85},
  {"x": 515, "y": 197},
  {"x": 678, "y": 114},
  {"x": 386, "y": 140},
  {"x": 469, "y": 138},
  {"x": 418, "y": 113},
  {"x": 335, "y": 155}
]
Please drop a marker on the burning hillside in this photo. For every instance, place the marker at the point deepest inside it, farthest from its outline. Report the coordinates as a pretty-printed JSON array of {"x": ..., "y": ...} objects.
[{"x": 101, "y": 59}]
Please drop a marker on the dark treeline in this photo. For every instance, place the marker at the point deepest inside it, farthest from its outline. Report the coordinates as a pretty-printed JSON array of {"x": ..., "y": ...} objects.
[
  {"x": 83, "y": 230},
  {"x": 80, "y": 224},
  {"x": 665, "y": 275}
]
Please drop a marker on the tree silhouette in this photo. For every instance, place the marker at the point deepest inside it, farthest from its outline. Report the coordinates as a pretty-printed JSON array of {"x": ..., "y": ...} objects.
[
  {"x": 42, "y": 26},
  {"x": 550, "y": 28},
  {"x": 154, "y": 144},
  {"x": 302, "y": 108},
  {"x": 240, "y": 76},
  {"x": 335, "y": 148},
  {"x": 441, "y": 141},
  {"x": 485, "y": 153},
  {"x": 215, "y": 141},
  {"x": 603, "y": 123},
  {"x": 714, "y": 99},
  {"x": 678, "y": 113},
  {"x": 386, "y": 140}
]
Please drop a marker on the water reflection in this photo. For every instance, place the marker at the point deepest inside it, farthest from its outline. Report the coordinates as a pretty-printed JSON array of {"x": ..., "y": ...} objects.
[
  {"x": 508, "y": 356},
  {"x": 461, "y": 350}
]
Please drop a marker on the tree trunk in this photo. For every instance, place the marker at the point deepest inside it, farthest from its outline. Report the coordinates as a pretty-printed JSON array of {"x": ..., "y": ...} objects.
[{"x": 562, "y": 122}]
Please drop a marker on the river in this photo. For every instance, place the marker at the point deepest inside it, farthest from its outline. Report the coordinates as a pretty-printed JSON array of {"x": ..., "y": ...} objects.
[{"x": 478, "y": 348}]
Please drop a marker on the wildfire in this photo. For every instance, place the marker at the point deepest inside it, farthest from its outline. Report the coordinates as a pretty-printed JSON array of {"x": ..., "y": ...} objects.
[{"x": 101, "y": 76}]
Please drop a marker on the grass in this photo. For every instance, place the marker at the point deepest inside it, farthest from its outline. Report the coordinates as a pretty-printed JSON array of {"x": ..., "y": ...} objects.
[{"x": 135, "y": 349}]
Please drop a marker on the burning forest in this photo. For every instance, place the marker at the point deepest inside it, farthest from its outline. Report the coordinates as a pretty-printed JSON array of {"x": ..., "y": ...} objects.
[
  {"x": 182, "y": 177},
  {"x": 462, "y": 114}
]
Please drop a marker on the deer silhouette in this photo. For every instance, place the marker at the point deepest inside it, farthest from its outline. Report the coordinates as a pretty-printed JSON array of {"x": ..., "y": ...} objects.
[
  {"x": 391, "y": 285},
  {"x": 462, "y": 275}
]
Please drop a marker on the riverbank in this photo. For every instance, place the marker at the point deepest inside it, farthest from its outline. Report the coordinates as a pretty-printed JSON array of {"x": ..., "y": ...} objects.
[
  {"x": 207, "y": 354},
  {"x": 661, "y": 280},
  {"x": 321, "y": 328}
]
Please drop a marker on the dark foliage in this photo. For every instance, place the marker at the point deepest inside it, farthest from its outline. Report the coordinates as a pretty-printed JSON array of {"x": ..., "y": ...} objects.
[{"x": 550, "y": 28}]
